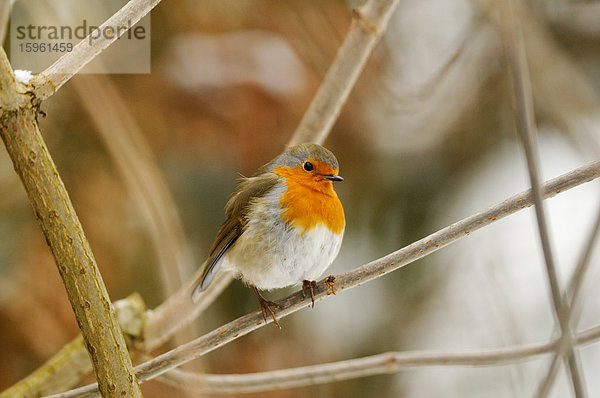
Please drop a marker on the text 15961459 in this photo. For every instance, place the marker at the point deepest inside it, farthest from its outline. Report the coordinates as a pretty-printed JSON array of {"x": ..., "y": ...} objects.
[{"x": 35, "y": 47}]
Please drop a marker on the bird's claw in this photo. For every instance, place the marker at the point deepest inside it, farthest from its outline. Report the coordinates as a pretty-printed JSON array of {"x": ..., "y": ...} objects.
[
  {"x": 309, "y": 285},
  {"x": 265, "y": 306}
]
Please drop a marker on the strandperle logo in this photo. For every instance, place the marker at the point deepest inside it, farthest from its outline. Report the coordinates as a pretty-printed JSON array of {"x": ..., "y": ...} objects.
[
  {"x": 42, "y": 31},
  {"x": 82, "y": 31}
]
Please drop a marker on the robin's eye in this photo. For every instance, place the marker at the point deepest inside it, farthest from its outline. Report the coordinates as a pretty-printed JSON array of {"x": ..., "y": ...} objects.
[{"x": 308, "y": 166}]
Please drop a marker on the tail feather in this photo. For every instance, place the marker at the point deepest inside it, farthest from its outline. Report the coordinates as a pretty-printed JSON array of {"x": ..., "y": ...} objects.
[{"x": 204, "y": 280}]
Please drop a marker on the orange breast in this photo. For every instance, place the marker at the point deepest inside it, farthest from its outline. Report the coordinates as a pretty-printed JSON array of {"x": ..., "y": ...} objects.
[{"x": 310, "y": 201}]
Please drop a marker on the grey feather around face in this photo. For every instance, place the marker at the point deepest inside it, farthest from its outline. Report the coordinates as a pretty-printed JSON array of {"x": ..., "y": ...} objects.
[{"x": 298, "y": 154}]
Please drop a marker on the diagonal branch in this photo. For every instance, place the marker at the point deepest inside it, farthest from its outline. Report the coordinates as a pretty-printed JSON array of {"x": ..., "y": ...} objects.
[
  {"x": 332, "y": 285},
  {"x": 46, "y": 83},
  {"x": 368, "y": 25}
]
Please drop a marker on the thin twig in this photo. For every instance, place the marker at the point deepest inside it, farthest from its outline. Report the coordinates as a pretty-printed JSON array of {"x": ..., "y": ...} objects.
[
  {"x": 527, "y": 134},
  {"x": 572, "y": 301},
  {"x": 332, "y": 285},
  {"x": 49, "y": 81},
  {"x": 517, "y": 60},
  {"x": 386, "y": 363},
  {"x": 65, "y": 237},
  {"x": 368, "y": 24}
]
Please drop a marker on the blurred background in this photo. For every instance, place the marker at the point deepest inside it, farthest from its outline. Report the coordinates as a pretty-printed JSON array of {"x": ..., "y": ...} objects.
[{"x": 426, "y": 138}]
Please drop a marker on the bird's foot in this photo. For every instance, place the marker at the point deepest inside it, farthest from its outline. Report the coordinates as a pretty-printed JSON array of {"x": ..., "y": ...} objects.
[
  {"x": 267, "y": 306},
  {"x": 311, "y": 286}
]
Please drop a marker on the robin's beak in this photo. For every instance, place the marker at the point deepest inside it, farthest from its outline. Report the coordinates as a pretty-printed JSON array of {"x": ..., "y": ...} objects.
[{"x": 333, "y": 177}]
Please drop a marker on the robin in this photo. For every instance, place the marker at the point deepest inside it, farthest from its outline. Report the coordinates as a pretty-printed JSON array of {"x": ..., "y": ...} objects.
[{"x": 284, "y": 225}]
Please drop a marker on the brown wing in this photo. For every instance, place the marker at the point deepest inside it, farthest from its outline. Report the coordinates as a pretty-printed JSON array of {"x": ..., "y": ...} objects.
[{"x": 236, "y": 211}]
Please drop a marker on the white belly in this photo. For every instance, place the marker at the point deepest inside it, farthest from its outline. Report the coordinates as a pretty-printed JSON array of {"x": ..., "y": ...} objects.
[{"x": 270, "y": 254}]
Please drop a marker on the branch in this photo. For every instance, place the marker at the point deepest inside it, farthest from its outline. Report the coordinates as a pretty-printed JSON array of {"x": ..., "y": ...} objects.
[
  {"x": 368, "y": 25},
  {"x": 46, "y": 83},
  {"x": 386, "y": 363},
  {"x": 65, "y": 236},
  {"x": 573, "y": 306},
  {"x": 356, "y": 277},
  {"x": 525, "y": 120}
]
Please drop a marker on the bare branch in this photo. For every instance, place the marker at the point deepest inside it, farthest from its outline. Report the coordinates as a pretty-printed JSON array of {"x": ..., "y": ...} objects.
[
  {"x": 66, "y": 238},
  {"x": 332, "y": 285},
  {"x": 49, "y": 81},
  {"x": 517, "y": 61},
  {"x": 386, "y": 363},
  {"x": 368, "y": 25}
]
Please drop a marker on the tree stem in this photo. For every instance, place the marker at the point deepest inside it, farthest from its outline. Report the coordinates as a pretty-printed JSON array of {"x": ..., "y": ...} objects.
[{"x": 64, "y": 234}]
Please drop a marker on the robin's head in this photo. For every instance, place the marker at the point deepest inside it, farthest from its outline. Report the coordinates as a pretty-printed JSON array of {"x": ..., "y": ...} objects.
[
  {"x": 308, "y": 163},
  {"x": 309, "y": 170}
]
